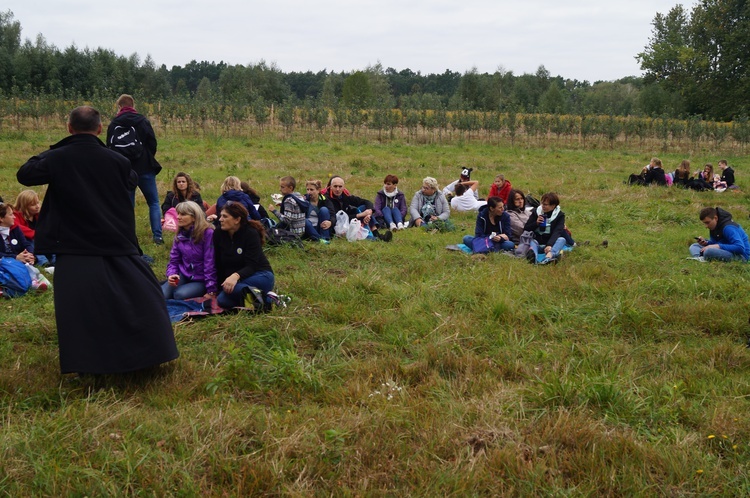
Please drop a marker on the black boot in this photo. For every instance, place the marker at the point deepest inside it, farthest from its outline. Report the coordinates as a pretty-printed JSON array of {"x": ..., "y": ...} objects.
[{"x": 384, "y": 235}]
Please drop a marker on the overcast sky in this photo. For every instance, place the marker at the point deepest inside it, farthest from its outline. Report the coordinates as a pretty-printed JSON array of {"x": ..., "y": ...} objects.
[{"x": 583, "y": 39}]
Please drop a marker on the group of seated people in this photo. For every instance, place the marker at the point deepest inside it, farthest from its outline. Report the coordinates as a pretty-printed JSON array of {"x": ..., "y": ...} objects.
[
  {"x": 502, "y": 218},
  {"x": 17, "y": 228},
  {"x": 705, "y": 179}
]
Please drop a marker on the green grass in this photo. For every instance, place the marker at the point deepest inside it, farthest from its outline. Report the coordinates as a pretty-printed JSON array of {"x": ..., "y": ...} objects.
[{"x": 406, "y": 369}]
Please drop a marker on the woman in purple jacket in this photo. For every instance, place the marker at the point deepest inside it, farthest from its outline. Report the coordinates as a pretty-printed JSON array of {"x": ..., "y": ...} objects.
[
  {"x": 191, "y": 271},
  {"x": 390, "y": 205}
]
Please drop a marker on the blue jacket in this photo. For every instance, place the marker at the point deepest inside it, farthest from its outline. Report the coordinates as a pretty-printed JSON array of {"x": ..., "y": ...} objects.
[
  {"x": 730, "y": 236},
  {"x": 484, "y": 226},
  {"x": 242, "y": 198}
]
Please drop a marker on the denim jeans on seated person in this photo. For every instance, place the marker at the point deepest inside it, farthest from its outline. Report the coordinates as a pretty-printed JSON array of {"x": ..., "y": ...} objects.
[
  {"x": 263, "y": 280},
  {"x": 185, "y": 290},
  {"x": 314, "y": 232},
  {"x": 392, "y": 215},
  {"x": 713, "y": 253},
  {"x": 556, "y": 247}
]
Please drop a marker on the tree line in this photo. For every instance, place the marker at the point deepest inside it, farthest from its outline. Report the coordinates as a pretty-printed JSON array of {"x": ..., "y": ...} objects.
[{"x": 696, "y": 66}]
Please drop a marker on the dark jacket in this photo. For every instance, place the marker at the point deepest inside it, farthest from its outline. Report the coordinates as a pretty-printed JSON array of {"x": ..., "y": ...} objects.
[
  {"x": 127, "y": 117},
  {"x": 87, "y": 209},
  {"x": 242, "y": 198},
  {"x": 15, "y": 245},
  {"x": 242, "y": 253},
  {"x": 655, "y": 175},
  {"x": 727, "y": 175},
  {"x": 350, "y": 204},
  {"x": 171, "y": 200},
  {"x": 485, "y": 227},
  {"x": 548, "y": 235}
]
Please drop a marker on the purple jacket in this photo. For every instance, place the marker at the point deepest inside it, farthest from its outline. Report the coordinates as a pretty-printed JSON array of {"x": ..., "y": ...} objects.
[
  {"x": 399, "y": 202},
  {"x": 194, "y": 261}
]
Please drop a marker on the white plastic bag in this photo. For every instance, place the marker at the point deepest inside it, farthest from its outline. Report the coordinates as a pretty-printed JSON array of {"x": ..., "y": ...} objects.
[
  {"x": 342, "y": 224},
  {"x": 355, "y": 229}
]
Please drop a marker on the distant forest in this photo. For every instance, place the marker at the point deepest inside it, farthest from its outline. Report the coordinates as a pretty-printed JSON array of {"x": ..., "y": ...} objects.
[{"x": 695, "y": 65}]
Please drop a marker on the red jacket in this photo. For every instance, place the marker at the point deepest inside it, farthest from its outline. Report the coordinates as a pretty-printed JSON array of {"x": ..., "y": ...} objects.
[
  {"x": 21, "y": 222},
  {"x": 501, "y": 193}
]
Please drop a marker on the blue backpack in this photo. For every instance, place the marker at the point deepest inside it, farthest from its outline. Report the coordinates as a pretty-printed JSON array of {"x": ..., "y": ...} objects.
[{"x": 15, "y": 280}]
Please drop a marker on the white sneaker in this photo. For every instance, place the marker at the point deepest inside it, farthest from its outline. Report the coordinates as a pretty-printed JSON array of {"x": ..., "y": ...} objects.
[
  {"x": 400, "y": 226},
  {"x": 50, "y": 270},
  {"x": 393, "y": 226},
  {"x": 697, "y": 258}
]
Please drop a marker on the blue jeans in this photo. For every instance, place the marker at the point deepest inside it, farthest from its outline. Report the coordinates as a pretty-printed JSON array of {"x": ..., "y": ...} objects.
[
  {"x": 263, "y": 280},
  {"x": 556, "y": 247},
  {"x": 505, "y": 245},
  {"x": 185, "y": 290},
  {"x": 717, "y": 254},
  {"x": 147, "y": 184},
  {"x": 392, "y": 215},
  {"x": 315, "y": 232}
]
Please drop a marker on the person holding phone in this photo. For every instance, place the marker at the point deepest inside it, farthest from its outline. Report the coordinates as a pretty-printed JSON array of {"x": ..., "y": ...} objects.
[{"x": 727, "y": 242}]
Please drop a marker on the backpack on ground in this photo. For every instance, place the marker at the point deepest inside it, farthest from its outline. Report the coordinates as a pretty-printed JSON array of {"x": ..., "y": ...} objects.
[
  {"x": 532, "y": 201},
  {"x": 15, "y": 280},
  {"x": 524, "y": 243},
  {"x": 281, "y": 237},
  {"x": 125, "y": 140}
]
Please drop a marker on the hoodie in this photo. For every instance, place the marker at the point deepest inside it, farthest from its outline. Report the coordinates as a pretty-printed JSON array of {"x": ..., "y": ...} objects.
[
  {"x": 293, "y": 212},
  {"x": 730, "y": 236}
]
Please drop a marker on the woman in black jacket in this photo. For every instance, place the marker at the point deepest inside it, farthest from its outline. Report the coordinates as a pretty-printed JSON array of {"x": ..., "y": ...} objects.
[
  {"x": 548, "y": 224},
  {"x": 183, "y": 189},
  {"x": 238, "y": 251}
]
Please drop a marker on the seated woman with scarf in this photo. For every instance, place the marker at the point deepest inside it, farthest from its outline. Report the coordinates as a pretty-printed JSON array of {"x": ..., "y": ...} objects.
[
  {"x": 428, "y": 205},
  {"x": 547, "y": 222}
]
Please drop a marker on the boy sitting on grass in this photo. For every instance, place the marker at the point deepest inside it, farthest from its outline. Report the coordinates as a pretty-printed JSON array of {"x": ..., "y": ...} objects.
[{"x": 727, "y": 242}]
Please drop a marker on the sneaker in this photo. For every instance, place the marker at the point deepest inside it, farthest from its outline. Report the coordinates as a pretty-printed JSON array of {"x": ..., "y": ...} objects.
[
  {"x": 324, "y": 241},
  {"x": 50, "y": 269},
  {"x": 400, "y": 226},
  {"x": 548, "y": 261},
  {"x": 148, "y": 259},
  {"x": 393, "y": 226},
  {"x": 531, "y": 256},
  {"x": 158, "y": 241},
  {"x": 385, "y": 236},
  {"x": 700, "y": 259}
]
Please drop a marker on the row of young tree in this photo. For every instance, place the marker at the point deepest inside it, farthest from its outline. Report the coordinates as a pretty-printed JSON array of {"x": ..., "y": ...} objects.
[
  {"x": 432, "y": 123},
  {"x": 671, "y": 60}
]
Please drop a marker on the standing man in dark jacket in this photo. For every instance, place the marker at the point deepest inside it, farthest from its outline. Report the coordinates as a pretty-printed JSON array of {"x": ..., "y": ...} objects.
[
  {"x": 110, "y": 313},
  {"x": 141, "y": 150}
]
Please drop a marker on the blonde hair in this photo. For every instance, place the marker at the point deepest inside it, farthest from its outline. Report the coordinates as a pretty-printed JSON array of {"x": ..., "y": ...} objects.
[
  {"x": 200, "y": 225},
  {"x": 430, "y": 182},
  {"x": 315, "y": 183},
  {"x": 24, "y": 200},
  {"x": 231, "y": 183},
  {"x": 125, "y": 100}
]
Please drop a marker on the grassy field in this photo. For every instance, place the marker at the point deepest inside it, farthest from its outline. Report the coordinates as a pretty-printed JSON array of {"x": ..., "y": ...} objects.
[{"x": 405, "y": 369}]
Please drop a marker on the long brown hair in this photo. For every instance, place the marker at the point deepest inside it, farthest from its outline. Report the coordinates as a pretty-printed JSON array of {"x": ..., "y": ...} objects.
[{"x": 191, "y": 188}]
